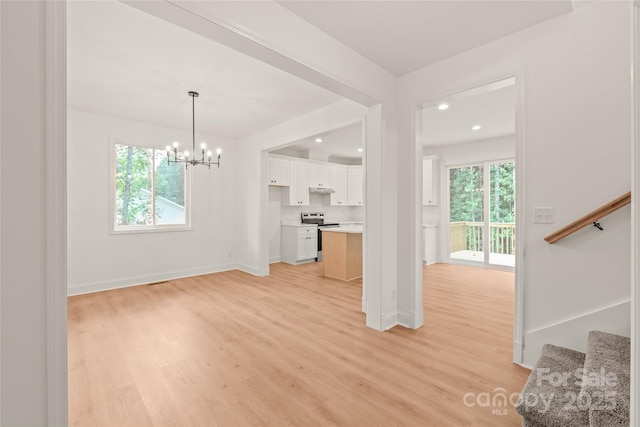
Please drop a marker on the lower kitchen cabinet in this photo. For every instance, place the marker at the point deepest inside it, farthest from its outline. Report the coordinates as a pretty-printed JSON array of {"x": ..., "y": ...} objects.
[
  {"x": 430, "y": 239},
  {"x": 299, "y": 244}
]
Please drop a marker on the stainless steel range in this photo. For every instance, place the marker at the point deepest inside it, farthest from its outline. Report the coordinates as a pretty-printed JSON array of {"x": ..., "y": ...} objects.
[{"x": 318, "y": 219}]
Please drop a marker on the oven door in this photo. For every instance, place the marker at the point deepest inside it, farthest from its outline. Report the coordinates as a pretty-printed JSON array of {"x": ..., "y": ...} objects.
[{"x": 319, "y": 258}]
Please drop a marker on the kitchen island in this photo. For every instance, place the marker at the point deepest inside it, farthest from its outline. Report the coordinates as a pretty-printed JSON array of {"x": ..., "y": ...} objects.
[{"x": 342, "y": 251}]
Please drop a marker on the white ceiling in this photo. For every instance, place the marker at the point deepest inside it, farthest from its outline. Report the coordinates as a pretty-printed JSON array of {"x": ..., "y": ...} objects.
[
  {"x": 126, "y": 63},
  {"x": 343, "y": 142},
  {"x": 403, "y": 36},
  {"x": 491, "y": 107}
]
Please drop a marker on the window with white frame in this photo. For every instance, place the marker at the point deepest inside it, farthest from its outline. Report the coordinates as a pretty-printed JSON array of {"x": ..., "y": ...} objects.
[{"x": 149, "y": 193}]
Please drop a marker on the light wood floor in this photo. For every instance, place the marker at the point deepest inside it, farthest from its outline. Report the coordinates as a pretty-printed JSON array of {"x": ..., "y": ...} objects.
[{"x": 291, "y": 349}]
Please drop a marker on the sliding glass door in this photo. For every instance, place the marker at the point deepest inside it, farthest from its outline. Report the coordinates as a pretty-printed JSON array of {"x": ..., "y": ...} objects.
[
  {"x": 466, "y": 213},
  {"x": 482, "y": 214}
]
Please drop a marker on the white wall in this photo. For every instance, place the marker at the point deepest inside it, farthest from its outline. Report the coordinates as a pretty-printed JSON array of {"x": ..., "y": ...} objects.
[
  {"x": 476, "y": 151},
  {"x": 317, "y": 203},
  {"x": 23, "y": 325},
  {"x": 462, "y": 154},
  {"x": 575, "y": 75},
  {"x": 99, "y": 260}
]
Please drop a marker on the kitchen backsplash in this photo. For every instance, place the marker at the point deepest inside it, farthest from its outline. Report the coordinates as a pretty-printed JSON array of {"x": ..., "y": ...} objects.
[{"x": 317, "y": 203}]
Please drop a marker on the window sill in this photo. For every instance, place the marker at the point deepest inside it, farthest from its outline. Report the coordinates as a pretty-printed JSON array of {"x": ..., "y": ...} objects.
[{"x": 156, "y": 229}]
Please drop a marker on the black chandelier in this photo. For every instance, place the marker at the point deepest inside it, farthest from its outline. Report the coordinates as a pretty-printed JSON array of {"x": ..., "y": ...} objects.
[{"x": 190, "y": 158}]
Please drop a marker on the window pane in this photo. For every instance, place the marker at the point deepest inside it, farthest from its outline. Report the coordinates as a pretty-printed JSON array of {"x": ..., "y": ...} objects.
[
  {"x": 466, "y": 213},
  {"x": 133, "y": 185},
  {"x": 169, "y": 186},
  {"x": 502, "y": 230}
]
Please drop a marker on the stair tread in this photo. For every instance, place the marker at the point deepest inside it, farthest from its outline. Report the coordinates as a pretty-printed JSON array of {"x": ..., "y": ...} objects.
[
  {"x": 606, "y": 381},
  {"x": 550, "y": 395}
]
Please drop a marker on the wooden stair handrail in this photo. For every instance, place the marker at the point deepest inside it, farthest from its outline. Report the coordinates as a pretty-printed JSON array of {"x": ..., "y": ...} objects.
[{"x": 590, "y": 218}]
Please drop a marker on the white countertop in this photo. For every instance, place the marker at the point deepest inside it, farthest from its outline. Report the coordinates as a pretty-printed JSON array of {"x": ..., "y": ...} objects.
[
  {"x": 355, "y": 229},
  {"x": 296, "y": 224},
  {"x": 348, "y": 222}
]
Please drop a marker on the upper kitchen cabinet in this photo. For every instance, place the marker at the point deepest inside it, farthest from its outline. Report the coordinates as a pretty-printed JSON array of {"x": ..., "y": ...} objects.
[
  {"x": 278, "y": 171},
  {"x": 355, "y": 187},
  {"x": 297, "y": 193},
  {"x": 339, "y": 185},
  {"x": 430, "y": 180},
  {"x": 319, "y": 175}
]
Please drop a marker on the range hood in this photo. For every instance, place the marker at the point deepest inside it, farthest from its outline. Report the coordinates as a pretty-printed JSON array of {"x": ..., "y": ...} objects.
[{"x": 321, "y": 190}]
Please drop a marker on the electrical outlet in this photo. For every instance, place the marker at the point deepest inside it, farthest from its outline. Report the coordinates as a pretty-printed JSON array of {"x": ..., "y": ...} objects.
[{"x": 544, "y": 215}]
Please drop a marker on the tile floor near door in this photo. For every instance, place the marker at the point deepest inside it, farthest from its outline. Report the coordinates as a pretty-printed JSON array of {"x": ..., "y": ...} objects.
[{"x": 291, "y": 349}]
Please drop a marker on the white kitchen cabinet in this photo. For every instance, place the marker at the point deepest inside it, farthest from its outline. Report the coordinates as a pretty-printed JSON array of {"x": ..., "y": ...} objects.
[
  {"x": 430, "y": 237},
  {"x": 297, "y": 193},
  {"x": 339, "y": 184},
  {"x": 278, "y": 171},
  {"x": 299, "y": 244},
  {"x": 319, "y": 175},
  {"x": 355, "y": 187},
  {"x": 430, "y": 180}
]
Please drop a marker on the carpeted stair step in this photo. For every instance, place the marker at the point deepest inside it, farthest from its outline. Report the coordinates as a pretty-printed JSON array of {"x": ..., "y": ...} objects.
[
  {"x": 550, "y": 395},
  {"x": 606, "y": 384}
]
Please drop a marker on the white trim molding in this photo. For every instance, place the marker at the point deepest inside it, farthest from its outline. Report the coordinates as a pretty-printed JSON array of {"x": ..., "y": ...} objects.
[
  {"x": 634, "y": 406},
  {"x": 147, "y": 279},
  {"x": 56, "y": 212},
  {"x": 518, "y": 321},
  {"x": 390, "y": 320}
]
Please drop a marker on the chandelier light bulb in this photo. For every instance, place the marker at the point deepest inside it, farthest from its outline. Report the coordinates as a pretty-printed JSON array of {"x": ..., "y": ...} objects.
[
  {"x": 175, "y": 144},
  {"x": 209, "y": 153},
  {"x": 168, "y": 148},
  {"x": 203, "y": 145},
  {"x": 218, "y": 151},
  {"x": 186, "y": 153}
]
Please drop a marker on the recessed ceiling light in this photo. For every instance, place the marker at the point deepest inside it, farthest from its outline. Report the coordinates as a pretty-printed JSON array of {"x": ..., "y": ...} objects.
[
  {"x": 360, "y": 150},
  {"x": 318, "y": 140},
  {"x": 443, "y": 106},
  {"x": 476, "y": 127}
]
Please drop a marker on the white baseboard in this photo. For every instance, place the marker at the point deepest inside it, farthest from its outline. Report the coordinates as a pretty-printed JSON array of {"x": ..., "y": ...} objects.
[
  {"x": 259, "y": 272},
  {"x": 390, "y": 320},
  {"x": 407, "y": 319},
  {"x": 517, "y": 352},
  {"x": 146, "y": 279},
  {"x": 400, "y": 318},
  {"x": 275, "y": 259},
  {"x": 572, "y": 333}
]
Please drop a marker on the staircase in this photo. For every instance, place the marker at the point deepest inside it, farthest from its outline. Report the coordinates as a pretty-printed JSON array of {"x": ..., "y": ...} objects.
[{"x": 568, "y": 388}]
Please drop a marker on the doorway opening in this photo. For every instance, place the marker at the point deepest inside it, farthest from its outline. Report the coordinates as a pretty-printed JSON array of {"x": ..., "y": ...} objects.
[{"x": 472, "y": 155}]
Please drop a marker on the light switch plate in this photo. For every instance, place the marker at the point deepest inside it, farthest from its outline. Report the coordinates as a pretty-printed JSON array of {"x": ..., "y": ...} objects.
[{"x": 544, "y": 215}]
